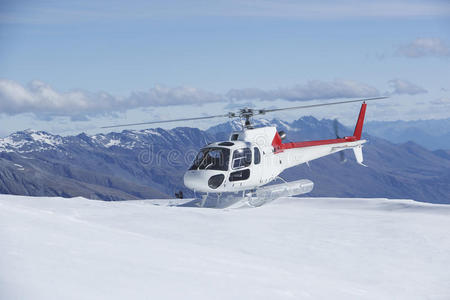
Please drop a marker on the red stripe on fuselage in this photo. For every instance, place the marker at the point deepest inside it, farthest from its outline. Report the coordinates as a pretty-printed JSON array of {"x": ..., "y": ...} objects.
[
  {"x": 317, "y": 143},
  {"x": 281, "y": 147},
  {"x": 277, "y": 141}
]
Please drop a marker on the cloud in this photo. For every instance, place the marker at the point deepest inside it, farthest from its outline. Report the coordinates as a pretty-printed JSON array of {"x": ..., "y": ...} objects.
[
  {"x": 163, "y": 96},
  {"x": 313, "y": 90},
  {"x": 79, "y": 118},
  {"x": 400, "y": 86},
  {"x": 39, "y": 97},
  {"x": 232, "y": 105},
  {"x": 441, "y": 101},
  {"x": 421, "y": 47},
  {"x": 44, "y": 101}
]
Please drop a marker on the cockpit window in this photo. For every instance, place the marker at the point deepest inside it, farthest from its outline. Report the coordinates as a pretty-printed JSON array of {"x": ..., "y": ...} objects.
[
  {"x": 242, "y": 158},
  {"x": 212, "y": 159}
]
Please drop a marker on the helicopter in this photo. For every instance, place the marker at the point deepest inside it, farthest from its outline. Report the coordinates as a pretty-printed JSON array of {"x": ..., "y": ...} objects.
[{"x": 244, "y": 166}]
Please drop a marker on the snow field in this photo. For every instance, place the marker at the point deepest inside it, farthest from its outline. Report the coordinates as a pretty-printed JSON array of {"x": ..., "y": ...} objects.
[{"x": 292, "y": 248}]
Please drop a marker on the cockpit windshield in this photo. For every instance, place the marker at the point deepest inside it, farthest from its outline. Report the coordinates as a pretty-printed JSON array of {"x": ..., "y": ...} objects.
[{"x": 213, "y": 158}]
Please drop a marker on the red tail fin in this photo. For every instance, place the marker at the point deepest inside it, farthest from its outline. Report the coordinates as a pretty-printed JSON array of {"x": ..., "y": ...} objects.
[{"x": 360, "y": 122}]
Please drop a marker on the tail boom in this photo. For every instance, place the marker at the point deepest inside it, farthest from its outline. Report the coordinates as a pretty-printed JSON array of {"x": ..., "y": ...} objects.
[
  {"x": 279, "y": 146},
  {"x": 300, "y": 152}
]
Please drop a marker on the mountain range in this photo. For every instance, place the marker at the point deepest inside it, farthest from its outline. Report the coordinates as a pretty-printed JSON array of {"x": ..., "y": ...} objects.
[
  {"x": 150, "y": 163},
  {"x": 431, "y": 134}
]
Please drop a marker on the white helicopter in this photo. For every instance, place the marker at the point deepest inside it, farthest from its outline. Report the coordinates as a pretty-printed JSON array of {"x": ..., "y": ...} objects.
[{"x": 240, "y": 169}]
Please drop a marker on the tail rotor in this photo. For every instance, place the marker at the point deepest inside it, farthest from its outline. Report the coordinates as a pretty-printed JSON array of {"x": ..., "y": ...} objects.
[{"x": 342, "y": 157}]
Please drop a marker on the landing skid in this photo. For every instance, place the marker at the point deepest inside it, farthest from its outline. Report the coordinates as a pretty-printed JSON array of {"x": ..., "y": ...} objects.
[
  {"x": 269, "y": 193},
  {"x": 255, "y": 198}
]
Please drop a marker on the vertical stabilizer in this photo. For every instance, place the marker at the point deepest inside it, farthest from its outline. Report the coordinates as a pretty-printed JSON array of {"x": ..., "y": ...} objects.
[
  {"x": 360, "y": 122},
  {"x": 358, "y": 155}
]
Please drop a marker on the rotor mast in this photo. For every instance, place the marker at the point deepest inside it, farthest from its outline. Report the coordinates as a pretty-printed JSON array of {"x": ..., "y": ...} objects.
[{"x": 247, "y": 113}]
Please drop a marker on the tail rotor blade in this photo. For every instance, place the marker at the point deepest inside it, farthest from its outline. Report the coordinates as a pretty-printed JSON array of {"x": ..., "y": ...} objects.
[
  {"x": 336, "y": 128},
  {"x": 336, "y": 132}
]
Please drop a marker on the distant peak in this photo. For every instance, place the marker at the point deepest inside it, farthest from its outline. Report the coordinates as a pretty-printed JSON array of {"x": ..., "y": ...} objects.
[{"x": 30, "y": 130}]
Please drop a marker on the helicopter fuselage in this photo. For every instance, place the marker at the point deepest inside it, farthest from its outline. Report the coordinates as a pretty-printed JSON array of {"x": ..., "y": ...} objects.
[{"x": 252, "y": 158}]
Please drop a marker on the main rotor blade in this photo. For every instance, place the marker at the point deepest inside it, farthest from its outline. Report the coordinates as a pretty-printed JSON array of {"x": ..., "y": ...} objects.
[
  {"x": 254, "y": 112},
  {"x": 167, "y": 121},
  {"x": 263, "y": 111}
]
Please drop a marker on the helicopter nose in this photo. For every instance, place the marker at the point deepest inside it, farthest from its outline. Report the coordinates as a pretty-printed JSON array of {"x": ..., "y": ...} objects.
[
  {"x": 194, "y": 180},
  {"x": 203, "y": 181}
]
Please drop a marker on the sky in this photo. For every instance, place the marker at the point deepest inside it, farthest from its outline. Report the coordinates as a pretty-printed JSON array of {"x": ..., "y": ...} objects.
[{"x": 73, "y": 66}]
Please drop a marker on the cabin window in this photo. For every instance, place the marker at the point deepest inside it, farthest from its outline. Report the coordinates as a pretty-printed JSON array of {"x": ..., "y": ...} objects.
[
  {"x": 239, "y": 175},
  {"x": 234, "y": 136},
  {"x": 257, "y": 155},
  {"x": 213, "y": 158},
  {"x": 242, "y": 158}
]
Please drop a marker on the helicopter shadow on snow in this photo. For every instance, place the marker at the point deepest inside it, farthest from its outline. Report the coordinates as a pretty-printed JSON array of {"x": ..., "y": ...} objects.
[{"x": 226, "y": 200}]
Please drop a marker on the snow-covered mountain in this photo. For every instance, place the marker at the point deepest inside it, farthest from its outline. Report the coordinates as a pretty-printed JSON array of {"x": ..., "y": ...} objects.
[
  {"x": 136, "y": 164},
  {"x": 114, "y": 166},
  {"x": 292, "y": 248}
]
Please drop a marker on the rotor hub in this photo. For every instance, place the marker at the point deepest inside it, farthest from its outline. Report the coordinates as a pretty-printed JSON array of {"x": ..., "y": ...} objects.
[{"x": 246, "y": 114}]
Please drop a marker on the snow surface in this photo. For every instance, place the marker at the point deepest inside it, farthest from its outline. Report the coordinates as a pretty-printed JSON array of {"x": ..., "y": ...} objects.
[
  {"x": 112, "y": 142},
  {"x": 292, "y": 248},
  {"x": 46, "y": 138}
]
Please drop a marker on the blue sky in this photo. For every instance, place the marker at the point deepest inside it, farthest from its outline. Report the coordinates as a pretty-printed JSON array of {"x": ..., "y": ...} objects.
[{"x": 72, "y": 66}]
